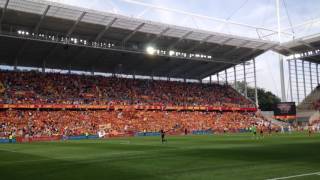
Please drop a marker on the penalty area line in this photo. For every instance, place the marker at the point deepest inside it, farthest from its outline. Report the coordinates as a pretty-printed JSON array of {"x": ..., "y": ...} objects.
[{"x": 295, "y": 176}]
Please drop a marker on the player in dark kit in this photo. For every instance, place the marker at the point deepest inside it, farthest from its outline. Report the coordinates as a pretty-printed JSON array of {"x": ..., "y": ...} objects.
[
  {"x": 310, "y": 130},
  {"x": 163, "y": 134}
]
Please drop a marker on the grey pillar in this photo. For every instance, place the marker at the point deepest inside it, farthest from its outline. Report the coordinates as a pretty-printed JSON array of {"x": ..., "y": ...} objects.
[
  {"x": 15, "y": 67},
  {"x": 218, "y": 78},
  {"x": 210, "y": 79},
  {"x": 290, "y": 80},
  {"x": 297, "y": 83},
  {"x": 283, "y": 87},
  {"x": 43, "y": 67},
  {"x": 310, "y": 76},
  {"x": 255, "y": 83},
  {"x": 317, "y": 74},
  {"x": 235, "y": 77},
  {"x": 245, "y": 80},
  {"x": 226, "y": 76},
  {"x": 304, "y": 80}
]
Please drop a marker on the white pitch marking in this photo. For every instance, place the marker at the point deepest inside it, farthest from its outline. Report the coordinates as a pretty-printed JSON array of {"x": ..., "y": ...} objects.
[{"x": 299, "y": 175}]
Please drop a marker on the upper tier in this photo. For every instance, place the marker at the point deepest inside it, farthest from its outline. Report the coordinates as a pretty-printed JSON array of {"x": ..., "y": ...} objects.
[{"x": 50, "y": 88}]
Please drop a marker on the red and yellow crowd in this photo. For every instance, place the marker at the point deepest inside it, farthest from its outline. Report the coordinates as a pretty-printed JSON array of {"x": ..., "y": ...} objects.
[
  {"x": 48, "y": 123},
  {"x": 53, "y": 88}
]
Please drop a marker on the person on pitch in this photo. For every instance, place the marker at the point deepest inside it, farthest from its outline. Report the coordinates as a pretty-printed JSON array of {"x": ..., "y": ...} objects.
[{"x": 163, "y": 134}]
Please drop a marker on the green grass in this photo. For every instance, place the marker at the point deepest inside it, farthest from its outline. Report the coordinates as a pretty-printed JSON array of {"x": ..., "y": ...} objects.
[{"x": 231, "y": 157}]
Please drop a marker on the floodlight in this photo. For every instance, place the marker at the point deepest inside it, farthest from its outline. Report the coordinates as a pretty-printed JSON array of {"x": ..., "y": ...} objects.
[{"x": 150, "y": 50}]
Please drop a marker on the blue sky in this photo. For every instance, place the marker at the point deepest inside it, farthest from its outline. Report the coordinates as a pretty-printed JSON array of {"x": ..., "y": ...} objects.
[{"x": 261, "y": 13}]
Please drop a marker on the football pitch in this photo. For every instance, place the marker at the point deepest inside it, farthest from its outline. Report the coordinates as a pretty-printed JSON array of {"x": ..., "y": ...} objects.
[{"x": 232, "y": 156}]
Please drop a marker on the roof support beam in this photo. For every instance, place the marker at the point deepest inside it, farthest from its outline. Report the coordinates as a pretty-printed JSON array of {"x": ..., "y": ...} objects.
[
  {"x": 124, "y": 41},
  {"x": 100, "y": 35},
  {"x": 3, "y": 13},
  {"x": 159, "y": 35},
  {"x": 180, "y": 39},
  {"x": 36, "y": 29},
  {"x": 70, "y": 31},
  {"x": 200, "y": 43}
]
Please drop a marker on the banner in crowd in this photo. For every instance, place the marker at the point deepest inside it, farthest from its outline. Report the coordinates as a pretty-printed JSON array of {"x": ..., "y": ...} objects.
[
  {"x": 291, "y": 117},
  {"x": 124, "y": 107},
  {"x": 80, "y": 137},
  {"x": 4, "y": 141},
  {"x": 38, "y": 139}
]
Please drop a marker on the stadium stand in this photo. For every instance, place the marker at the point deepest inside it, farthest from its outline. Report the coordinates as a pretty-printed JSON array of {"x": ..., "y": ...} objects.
[
  {"x": 45, "y": 104},
  {"x": 34, "y": 88},
  {"x": 312, "y": 101},
  {"x": 70, "y": 123}
]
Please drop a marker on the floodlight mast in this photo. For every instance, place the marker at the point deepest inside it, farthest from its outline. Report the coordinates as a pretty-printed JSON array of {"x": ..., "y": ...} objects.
[{"x": 283, "y": 88}]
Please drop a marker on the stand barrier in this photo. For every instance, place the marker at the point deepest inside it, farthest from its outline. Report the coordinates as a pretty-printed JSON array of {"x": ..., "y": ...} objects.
[{"x": 5, "y": 141}]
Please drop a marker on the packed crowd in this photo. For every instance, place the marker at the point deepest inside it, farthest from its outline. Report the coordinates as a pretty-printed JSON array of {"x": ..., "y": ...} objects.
[
  {"x": 51, "y": 88},
  {"x": 48, "y": 123}
]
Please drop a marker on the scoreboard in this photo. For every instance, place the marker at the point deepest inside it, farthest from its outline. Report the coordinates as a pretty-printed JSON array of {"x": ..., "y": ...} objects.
[{"x": 285, "y": 110}]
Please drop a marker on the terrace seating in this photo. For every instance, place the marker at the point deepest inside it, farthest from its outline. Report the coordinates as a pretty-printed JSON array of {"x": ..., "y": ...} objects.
[
  {"x": 48, "y": 123},
  {"x": 50, "y": 88}
]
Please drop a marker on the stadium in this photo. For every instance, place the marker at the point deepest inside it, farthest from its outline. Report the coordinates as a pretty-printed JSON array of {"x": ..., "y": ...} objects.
[{"x": 92, "y": 94}]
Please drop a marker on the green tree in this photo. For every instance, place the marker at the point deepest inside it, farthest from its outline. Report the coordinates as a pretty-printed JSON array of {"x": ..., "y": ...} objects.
[{"x": 266, "y": 99}]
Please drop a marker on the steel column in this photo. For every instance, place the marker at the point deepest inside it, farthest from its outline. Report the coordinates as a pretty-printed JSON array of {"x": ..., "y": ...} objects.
[
  {"x": 304, "y": 80},
  {"x": 297, "y": 84},
  {"x": 15, "y": 67},
  {"x": 290, "y": 80},
  {"x": 235, "y": 77},
  {"x": 317, "y": 74},
  {"x": 245, "y": 80},
  {"x": 255, "y": 83},
  {"x": 310, "y": 76},
  {"x": 226, "y": 75},
  {"x": 44, "y": 66},
  {"x": 218, "y": 78}
]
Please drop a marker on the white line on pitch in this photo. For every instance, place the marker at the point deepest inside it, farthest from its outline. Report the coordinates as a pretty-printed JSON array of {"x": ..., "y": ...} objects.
[{"x": 299, "y": 175}]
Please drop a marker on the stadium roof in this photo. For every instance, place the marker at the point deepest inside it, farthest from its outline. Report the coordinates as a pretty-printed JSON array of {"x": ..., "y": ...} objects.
[
  {"x": 35, "y": 33},
  {"x": 306, "y": 48}
]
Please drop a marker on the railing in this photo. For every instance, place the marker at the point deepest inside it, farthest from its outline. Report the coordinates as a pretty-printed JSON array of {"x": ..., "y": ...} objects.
[{"x": 125, "y": 107}]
